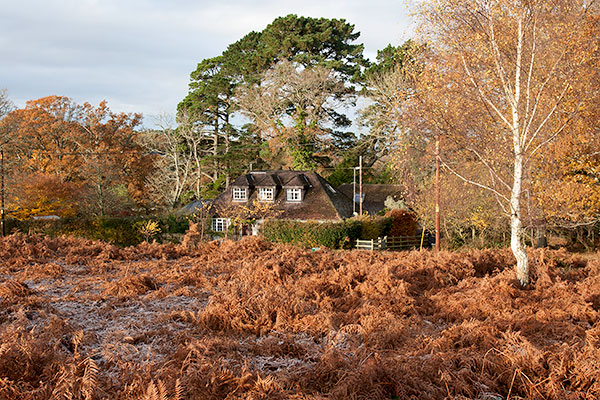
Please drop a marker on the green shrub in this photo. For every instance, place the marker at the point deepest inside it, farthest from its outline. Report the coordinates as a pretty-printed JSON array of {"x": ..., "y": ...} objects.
[
  {"x": 334, "y": 235},
  {"x": 173, "y": 223},
  {"x": 373, "y": 227},
  {"x": 121, "y": 231}
]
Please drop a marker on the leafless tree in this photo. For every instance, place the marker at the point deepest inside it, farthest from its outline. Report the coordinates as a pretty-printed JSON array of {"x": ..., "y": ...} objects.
[{"x": 173, "y": 164}]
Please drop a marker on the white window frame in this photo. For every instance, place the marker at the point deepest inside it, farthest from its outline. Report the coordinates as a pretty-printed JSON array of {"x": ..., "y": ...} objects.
[
  {"x": 220, "y": 224},
  {"x": 266, "y": 194},
  {"x": 240, "y": 194},
  {"x": 294, "y": 195}
]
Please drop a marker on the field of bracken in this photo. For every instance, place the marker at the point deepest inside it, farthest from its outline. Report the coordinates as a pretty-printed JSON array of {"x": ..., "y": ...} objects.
[{"x": 255, "y": 320}]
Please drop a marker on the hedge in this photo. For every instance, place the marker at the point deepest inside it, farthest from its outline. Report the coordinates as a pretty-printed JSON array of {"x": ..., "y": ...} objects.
[
  {"x": 121, "y": 231},
  {"x": 334, "y": 235},
  {"x": 338, "y": 235}
]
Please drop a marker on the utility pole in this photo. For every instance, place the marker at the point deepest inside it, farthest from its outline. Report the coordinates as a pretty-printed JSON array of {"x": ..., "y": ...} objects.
[
  {"x": 437, "y": 193},
  {"x": 360, "y": 186},
  {"x": 354, "y": 192},
  {"x": 2, "y": 192}
]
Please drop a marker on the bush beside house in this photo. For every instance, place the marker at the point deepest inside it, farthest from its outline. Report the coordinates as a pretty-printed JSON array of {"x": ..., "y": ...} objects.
[
  {"x": 340, "y": 235},
  {"x": 402, "y": 223},
  {"x": 334, "y": 235}
]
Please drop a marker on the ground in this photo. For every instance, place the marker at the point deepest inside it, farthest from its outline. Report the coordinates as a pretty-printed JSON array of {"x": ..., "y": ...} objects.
[{"x": 249, "y": 320}]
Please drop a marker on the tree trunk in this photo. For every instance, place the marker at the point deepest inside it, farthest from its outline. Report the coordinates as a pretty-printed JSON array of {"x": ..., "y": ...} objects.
[
  {"x": 516, "y": 226},
  {"x": 198, "y": 171},
  {"x": 216, "y": 149},
  {"x": 100, "y": 193},
  {"x": 227, "y": 178},
  {"x": 540, "y": 235}
]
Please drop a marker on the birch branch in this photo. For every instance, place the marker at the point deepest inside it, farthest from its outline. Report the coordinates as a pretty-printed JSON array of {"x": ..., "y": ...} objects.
[
  {"x": 489, "y": 167},
  {"x": 551, "y": 138},
  {"x": 483, "y": 96},
  {"x": 530, "y": 73},
  {"x": 538, "y": 96},
  {"x": 547, "y": 118},
  {"x": 499, "y": 69},
  {"x": 491, "y": 189}
]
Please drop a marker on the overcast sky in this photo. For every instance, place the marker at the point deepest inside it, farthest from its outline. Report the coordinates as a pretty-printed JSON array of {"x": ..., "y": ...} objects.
[{"x": 138, "y": 54}]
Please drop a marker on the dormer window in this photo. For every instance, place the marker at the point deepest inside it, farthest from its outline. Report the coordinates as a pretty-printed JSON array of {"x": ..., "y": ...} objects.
[
  {"x": 266, "y": 194},
  {"x": 240, "y": 194},
  {"x": 294, "y": 194}
]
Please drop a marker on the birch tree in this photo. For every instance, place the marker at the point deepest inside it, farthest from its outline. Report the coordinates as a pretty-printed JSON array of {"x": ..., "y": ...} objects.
[{"x": 504, "y": 78}]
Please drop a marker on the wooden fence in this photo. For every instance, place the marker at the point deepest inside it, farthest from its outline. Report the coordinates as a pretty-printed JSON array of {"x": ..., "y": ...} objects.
[{"x": 392, "y": 243}]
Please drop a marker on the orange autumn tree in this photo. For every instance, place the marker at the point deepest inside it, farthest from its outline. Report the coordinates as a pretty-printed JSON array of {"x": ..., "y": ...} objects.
[
  {"x": 77, "y": 146},
  {"x": 502, "y": 80},
  {"x": 113, "y": 166},
  {"x": 42, "y": 136},
  {"x": 39, "y": 157},
  {"x": 567, "y": 180},
  {"x": 44, "y": 194}
]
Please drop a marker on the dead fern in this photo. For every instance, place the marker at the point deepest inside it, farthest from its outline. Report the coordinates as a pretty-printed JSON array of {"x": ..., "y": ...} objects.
[
  {"x": 12, "y": 290},
  {"x": 130, "y": 285},
  {"x": 89, "y": 381},
  {"x": 251, "y": 319},
  {"x": 158, "y": 391}
]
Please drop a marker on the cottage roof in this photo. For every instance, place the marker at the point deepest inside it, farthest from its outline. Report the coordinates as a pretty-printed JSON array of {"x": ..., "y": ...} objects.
[
  {"x": 266, "y": 180},
  {"x": 375, "y": 195},
  {"x": 193, "y": 207},
  {"x": 320, "y": 201},
  {"x": 297, "y": 181},
  {"x": 246, "y": 180}
]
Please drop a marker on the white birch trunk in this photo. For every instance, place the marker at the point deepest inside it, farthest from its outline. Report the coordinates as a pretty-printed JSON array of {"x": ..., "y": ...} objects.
[{"x": 516, "y": 226}]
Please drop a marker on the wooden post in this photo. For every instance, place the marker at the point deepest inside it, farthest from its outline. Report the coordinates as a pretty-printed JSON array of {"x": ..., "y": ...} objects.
[{"x": 354, "y": 192}]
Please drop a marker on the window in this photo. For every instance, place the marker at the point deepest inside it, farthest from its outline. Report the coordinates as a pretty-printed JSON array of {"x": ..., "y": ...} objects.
[
  {"x": 266, "y": 194},
  {"x": 239, "y": 194},
  {"x": 219, "y": 224},
  {"x": 294, "y": 195}
]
